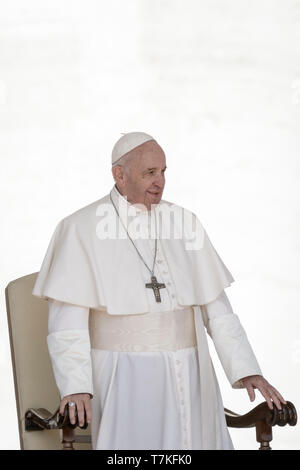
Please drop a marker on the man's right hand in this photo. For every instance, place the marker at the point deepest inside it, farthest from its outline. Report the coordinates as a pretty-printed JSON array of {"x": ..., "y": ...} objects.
[{"x": 83, "y": 402}]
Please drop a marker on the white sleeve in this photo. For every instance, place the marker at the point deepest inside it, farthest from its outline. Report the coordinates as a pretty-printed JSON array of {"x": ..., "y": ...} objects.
[
  {"x": 230, "y": 340},
  {"x": 69, "y": 347},
  {"x": 219, "y": 306}
]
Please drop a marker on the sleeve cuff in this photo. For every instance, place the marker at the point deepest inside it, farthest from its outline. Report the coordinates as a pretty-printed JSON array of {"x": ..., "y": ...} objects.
[
  {"x": 233, "y": 348},
  {"x": 70, "y": 354}
]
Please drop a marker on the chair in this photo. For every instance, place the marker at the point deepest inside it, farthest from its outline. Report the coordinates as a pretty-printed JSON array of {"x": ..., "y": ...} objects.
[
  {"x": 36, "y": 391},
  {"x": 35, "y": 387}
]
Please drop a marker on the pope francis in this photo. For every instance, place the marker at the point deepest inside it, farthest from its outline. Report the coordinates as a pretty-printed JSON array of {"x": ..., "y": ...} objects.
[{"x": 133, "y": 285}]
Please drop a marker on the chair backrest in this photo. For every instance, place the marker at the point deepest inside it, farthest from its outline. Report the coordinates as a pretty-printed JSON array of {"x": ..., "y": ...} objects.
[{"x": 34, "y": 382}]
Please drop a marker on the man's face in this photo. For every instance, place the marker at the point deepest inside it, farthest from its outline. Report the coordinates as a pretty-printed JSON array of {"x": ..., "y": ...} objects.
[{"x": 145, "y": 181}]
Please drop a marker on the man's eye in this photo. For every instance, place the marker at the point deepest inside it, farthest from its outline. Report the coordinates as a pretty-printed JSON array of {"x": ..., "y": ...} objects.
[{"x": 152, "y": 171}]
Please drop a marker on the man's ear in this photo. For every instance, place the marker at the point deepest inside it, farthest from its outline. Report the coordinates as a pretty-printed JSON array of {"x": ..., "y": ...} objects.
[{"x": 118, "y": 175}]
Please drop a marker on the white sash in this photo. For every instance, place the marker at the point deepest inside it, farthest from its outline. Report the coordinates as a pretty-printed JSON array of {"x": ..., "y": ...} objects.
[{"x": 158, "y": 331}]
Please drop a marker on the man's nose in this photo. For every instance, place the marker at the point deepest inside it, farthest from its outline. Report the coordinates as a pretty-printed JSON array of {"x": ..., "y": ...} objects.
[{"x": 159, "y": 181}]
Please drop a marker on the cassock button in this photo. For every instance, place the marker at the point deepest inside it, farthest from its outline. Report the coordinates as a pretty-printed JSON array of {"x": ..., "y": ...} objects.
[{"x": 173, "y": 296}]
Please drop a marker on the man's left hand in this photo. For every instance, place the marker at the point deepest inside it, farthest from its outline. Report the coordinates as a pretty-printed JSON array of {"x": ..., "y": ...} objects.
[{"x": 267, "y": 390}]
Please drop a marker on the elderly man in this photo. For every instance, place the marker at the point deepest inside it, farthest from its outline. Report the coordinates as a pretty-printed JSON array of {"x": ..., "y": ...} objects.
[{"x": 129, "y": 307}]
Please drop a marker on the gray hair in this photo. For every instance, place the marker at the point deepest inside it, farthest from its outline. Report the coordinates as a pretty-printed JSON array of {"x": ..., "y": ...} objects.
[{"x": 125, "y": 161}]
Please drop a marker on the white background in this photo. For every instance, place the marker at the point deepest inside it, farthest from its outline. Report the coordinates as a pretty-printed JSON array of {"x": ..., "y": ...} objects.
[{"x": 217, "y": 83}]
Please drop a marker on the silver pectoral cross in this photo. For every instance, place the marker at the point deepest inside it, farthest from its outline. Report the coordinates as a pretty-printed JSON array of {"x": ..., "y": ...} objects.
[{"x": 155, "y": 286}]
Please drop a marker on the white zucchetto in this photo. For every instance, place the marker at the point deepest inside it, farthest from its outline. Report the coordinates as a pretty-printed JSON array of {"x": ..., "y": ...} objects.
[{"x": 128, "y": 142}]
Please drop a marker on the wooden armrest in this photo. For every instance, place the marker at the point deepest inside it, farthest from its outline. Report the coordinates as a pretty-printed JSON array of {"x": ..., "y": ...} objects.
[
  {"x": 263, "y": 419},
  {"x": 37, "y": 419}
]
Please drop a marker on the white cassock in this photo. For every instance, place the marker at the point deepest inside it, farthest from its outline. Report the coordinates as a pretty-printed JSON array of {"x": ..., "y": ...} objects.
[{"x": 144, "y": 396}]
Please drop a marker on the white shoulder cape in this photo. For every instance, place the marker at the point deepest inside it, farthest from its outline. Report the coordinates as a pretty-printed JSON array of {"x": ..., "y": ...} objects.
[{"x": 82, "y": 269}]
